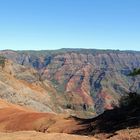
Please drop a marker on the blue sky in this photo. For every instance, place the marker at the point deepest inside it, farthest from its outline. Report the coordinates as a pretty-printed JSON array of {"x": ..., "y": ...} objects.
[{"x": 54, "y": 24}]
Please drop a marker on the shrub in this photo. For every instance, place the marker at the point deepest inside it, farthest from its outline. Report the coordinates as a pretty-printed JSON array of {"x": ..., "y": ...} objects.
[
  {"x": 2, "y": 61},
  {"x": 131, "y": 101},
  {"x": 135, "y": 72}
]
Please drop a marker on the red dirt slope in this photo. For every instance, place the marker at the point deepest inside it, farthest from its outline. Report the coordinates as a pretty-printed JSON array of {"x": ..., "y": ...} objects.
[{"x": 15, "y": 118}]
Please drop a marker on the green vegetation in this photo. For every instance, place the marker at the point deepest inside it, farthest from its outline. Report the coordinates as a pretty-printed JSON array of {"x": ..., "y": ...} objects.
[
  {"x": 2, "y": 61},
  {"x": 131, "y": 101},
  {"x": 135, "y": 72}
]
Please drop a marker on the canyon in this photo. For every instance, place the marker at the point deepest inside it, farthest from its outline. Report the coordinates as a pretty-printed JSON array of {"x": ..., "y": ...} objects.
[
  {"x": 81, "y": 82},
  {"x": 48, "y": 88}
]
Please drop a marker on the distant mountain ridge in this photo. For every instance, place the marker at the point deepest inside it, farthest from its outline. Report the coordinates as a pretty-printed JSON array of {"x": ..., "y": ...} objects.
[{"x": 86, "y": 81}]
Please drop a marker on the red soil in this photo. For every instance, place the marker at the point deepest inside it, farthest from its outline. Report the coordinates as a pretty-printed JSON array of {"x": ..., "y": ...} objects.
[{"x": 16, "y": 118}]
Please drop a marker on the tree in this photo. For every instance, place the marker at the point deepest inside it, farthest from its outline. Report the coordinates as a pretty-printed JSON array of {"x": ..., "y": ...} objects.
[
  {"x": 135, "y": 72},
  {"x": 133, "y": 99}
]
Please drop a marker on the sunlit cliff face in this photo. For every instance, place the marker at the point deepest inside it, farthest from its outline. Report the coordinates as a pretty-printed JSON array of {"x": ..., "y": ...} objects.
[{"x": 80, "y": 82}]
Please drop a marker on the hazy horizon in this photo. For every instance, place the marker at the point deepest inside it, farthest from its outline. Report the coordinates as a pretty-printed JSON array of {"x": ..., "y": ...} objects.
[
  {"x": 67, "y": 49},
  {"x": 56, "y": 24}
]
